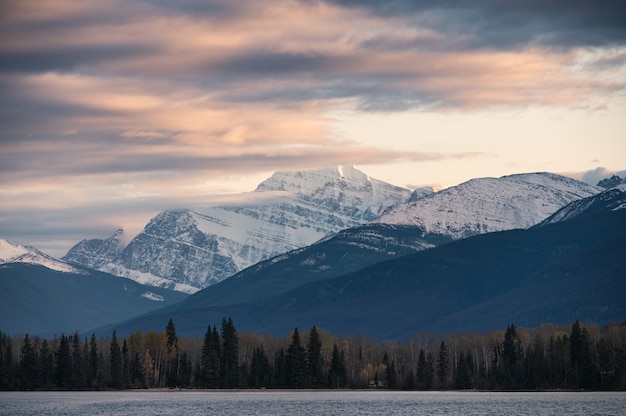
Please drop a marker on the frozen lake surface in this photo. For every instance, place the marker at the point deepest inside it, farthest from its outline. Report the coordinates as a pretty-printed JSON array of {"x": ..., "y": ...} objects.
[{"x": 268, "y": 402}]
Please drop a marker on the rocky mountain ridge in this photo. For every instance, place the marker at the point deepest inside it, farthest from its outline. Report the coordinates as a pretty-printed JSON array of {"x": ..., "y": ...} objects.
[{"x": 193, "y": 248}]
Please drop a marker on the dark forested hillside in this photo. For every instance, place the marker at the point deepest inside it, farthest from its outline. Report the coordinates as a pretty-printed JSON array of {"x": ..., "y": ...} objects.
[{"x": 574, "y": 356}]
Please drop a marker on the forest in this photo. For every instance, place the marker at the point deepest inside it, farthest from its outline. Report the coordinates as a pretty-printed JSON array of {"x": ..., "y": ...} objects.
[{"x": 570, "y": 357}]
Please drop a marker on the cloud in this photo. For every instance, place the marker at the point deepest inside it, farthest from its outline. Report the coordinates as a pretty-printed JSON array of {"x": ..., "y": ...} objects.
[
  {"x": 502, "y": 25},
  {"x": 596, "y": 175},
  {"x": 105, "y": 102}
]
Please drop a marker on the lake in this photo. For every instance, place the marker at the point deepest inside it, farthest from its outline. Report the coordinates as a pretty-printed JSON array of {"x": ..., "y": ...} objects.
[{"x": 269, "y": 402}]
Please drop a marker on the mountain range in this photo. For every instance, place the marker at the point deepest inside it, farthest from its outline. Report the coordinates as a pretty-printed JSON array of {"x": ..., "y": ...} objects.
[
  {"x": 44, "y": 296},
  {"x": 376, "y": 259},
  {"x": 190, "y": 249},
  {"x": 559, "y": 272}
]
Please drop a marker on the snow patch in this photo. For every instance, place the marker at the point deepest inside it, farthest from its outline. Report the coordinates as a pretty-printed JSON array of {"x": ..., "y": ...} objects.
[{"x": 153, "y": 296}]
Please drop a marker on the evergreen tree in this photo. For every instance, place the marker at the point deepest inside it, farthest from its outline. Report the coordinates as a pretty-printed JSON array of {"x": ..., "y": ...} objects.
[
  {"x": 63, "y": 364},
  {"x": 409, "y": 381},
  {"x": 230, "y": 355},
  {"x": 28, "y": 366},
  {"x": 259, "y": 373},
  {"x": 512, "y": 357},
  {"x": 137, "y": 378},
  {"x": 337, "y": 373},
  {"x": 115, "y": 363},
  {"x": 581, "y": 358},
  {"x": 171, "y": 371},
  {"x": 314, "y": 360},
  {"x": 280, "y": 370},
  {"x": 92, "y": 369},
  {"x": 78, "y": 373},
  {"x": 210, "y": 360},
  {"x": 296, "y": 363},
  {"x": 421, "y": 369},
  {"x": 185, "y": 370},
  {"x": 125, "y": 365},
  {"x": 442, "y": 365},
  {"x": 464, "y": 371},
  {"x": 430, "y": 371},
  {"x": 46, "y": 365}
]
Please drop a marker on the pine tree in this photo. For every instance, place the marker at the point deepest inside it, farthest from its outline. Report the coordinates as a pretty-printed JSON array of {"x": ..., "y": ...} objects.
[
  {"x": 171, "y": 370},
  {"x": 78, "y": 373},
  {"x": 421, "y": 369},
  {"x": 125, "y": 365},
  {"x": 28, "y": 366},
  {"x": 442, "y": 365},
  {"x": 296, "y": 363},
  {"x": 337, "y": 373},
  {"x": 63, "y": 364},
  {"x": 314, "y": 360},
  {"x": 230, "y": 354},
  {"x": 116, "y": 364},
  {"x": 464, "y": 371},
  {"x": 512, "y": 357},
  {"x": 259, "y": 375},
  {"x": 92, "y": 369},
  {"x": 582, "y": 362},
  {"x": 280, "y": 370},
  {"x": 46, "y": 365}
]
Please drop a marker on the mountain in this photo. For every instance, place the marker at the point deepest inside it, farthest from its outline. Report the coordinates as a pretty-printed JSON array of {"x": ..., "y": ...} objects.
[
  {"x": 612, "y": 199},
  {"x": 96, "y": 253},
  {"x": 16, "y": 253},
  {"x": 190, "y": 249},
  {"x": 612, "y": 182},
  {"x": 557, "y": 274},
  {"x": 485, "y": 205},
  {"x": 363, "y": 246},
  {"x": 347, "y": 251},
  {"x": 41, "y": 295}
]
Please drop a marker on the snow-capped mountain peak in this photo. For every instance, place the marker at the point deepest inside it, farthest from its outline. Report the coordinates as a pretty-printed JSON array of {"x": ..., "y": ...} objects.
[
  {"x": 200, "y": 246},
  {"x": 16, "y": 253},
  {"x": 490, "y": 204}
]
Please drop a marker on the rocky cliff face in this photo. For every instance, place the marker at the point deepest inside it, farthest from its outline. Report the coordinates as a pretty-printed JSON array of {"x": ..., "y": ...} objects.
[
  {"x": 194, "y": 248},
  {"x": 96, "y": 253}
]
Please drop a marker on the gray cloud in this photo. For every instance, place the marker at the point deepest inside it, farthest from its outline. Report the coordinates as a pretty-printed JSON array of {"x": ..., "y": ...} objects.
[
  {"x": 506, "y": 24},
  {"x": 96, "y": 95},
  {"x": 596, "y": 175}
]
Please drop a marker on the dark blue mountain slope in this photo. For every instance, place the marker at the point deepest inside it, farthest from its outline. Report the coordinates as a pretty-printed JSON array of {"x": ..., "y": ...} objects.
[
  {"x": 40, "y": 301},
  {"x": 556, "y": 273}
]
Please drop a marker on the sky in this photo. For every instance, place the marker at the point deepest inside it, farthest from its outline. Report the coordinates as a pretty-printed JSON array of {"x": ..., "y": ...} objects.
[{"x": 113, "y": 111}]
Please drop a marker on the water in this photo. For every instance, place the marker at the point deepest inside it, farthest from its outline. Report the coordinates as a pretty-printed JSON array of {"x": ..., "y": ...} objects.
[{"x": 192, "y": 403}]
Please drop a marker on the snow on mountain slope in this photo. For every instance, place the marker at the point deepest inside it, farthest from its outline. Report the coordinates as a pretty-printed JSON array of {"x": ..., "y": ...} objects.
[
  {"x": 488, "y": 204},
  {"x": 612, "y": 199},
  {"x": 201, "y": 246},
  {"x": 96, "y": 253},
  {"x": 11, "y": 253}
]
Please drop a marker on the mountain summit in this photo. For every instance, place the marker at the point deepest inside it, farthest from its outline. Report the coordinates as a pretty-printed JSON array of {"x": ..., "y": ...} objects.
[
  {"x": 193, "y": 248},
  {"x": 485, "y": 205}
]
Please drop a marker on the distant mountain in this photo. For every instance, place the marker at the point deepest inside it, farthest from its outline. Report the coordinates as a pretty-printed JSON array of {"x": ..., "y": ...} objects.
[
  {"x": 16, "y": 253},
  {"x": 359, "y": 247},
  {"x": 193, "y": 248},
  {"x": 485, "y": 205},
  {"x": 345, "y": 252},
  {"x": 612, "y": 182},
  {"x": 96, "y": 253},
  {"x": 552, "y": 274},
  {"x": 612, "y": 199},
  {"x": 41, "y": 295}
]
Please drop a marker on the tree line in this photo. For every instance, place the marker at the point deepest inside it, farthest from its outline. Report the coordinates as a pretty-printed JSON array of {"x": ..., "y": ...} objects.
[{"x": 576, "y": 356}]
